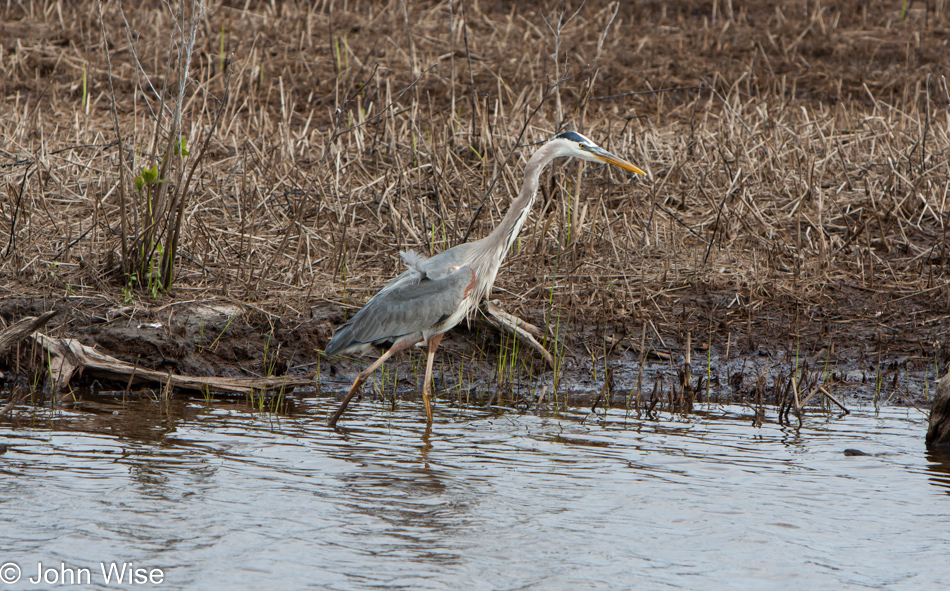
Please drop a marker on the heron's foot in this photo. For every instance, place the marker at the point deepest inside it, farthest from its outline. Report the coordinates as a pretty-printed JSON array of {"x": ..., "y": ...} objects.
[
  {"x": 526, "y": 331},
  {"x": 346, "y": 401},
  {"x": 358, "y": 382},
  {"x": 427, "y": 401}
]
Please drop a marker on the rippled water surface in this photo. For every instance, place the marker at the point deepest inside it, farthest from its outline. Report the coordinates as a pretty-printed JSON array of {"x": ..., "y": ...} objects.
[{"x": 223, "y": 498}]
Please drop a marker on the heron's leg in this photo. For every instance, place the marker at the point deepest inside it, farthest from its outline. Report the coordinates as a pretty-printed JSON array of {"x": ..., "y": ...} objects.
[
  {"x": 397, "y": 347},
  {"x": 434, "y": 341}
]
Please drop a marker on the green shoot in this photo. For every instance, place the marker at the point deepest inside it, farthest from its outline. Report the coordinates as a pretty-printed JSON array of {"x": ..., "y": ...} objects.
[{"x": 85, "y": 87}]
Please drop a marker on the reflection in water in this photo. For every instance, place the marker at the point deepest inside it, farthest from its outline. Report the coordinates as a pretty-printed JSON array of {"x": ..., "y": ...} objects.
[
  {"x": 939, "y": 467},
  {"x": 225, "y": 497}
]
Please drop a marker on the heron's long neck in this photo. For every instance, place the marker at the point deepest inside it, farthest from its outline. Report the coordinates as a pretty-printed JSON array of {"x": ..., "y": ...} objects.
[
  {"x": 506, "y": 233},
  {"x": 492, "y": 249}
]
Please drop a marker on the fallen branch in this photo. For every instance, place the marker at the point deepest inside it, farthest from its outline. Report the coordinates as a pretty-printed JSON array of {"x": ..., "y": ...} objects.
[
  {"x": 505, "y": 322},
  {"x": 12, "y": 335},
  {"x": 69, "y": 355}
]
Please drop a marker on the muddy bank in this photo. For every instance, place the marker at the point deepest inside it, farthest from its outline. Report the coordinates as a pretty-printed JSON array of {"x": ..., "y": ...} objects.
[{"x": 646, "y": 367}]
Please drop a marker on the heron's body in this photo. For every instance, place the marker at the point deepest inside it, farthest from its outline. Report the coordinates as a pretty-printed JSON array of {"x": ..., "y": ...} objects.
[{"x": 435, "y": 294}]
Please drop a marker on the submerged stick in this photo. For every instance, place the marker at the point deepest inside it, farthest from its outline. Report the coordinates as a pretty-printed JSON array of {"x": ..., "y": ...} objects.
[{"x": 829, "y": 396}]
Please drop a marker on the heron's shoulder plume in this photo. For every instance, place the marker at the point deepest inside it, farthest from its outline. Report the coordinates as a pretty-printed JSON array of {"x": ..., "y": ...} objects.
[{"x": 415, "y": 262}]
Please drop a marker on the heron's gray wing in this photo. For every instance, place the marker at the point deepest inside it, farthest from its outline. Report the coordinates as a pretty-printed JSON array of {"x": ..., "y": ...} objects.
[
  {"x": 441, "y": 264},
  {"x": 406, "y": 306}
]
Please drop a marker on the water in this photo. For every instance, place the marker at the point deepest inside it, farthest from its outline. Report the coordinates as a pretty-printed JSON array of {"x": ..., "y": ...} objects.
[{"x": 224, "y": 498}]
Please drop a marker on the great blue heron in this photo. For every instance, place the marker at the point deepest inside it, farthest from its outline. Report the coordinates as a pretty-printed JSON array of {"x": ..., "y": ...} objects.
[{"x": 436, "y": 293}]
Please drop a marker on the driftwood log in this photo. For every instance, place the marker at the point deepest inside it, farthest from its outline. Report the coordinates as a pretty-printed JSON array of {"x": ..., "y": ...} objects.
[
  {"x": 527, "y": 332},
  {"x": 938, "y": 434},
  {"x": 12, "y": 335},
  {"x": 67, "y": 356},
  {"x": 15, "y": 333}
]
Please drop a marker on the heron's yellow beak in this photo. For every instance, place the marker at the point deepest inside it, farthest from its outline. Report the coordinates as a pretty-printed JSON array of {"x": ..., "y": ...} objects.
[{"x": 605, "y": 156}]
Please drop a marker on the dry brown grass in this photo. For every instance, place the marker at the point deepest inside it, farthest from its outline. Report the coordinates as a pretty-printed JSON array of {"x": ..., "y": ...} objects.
[{"x": 799, "y": 171}]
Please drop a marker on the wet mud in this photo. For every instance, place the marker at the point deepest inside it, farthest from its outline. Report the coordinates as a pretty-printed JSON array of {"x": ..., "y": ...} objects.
[{"x": 598, "y": 367}]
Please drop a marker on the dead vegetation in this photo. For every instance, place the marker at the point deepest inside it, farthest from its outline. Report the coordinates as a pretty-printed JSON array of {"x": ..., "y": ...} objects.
[{"x": 799, "y": 162}]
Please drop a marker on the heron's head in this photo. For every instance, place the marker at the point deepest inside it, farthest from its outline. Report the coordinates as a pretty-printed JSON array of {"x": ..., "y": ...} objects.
[{"x": 571, "y": 143}]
